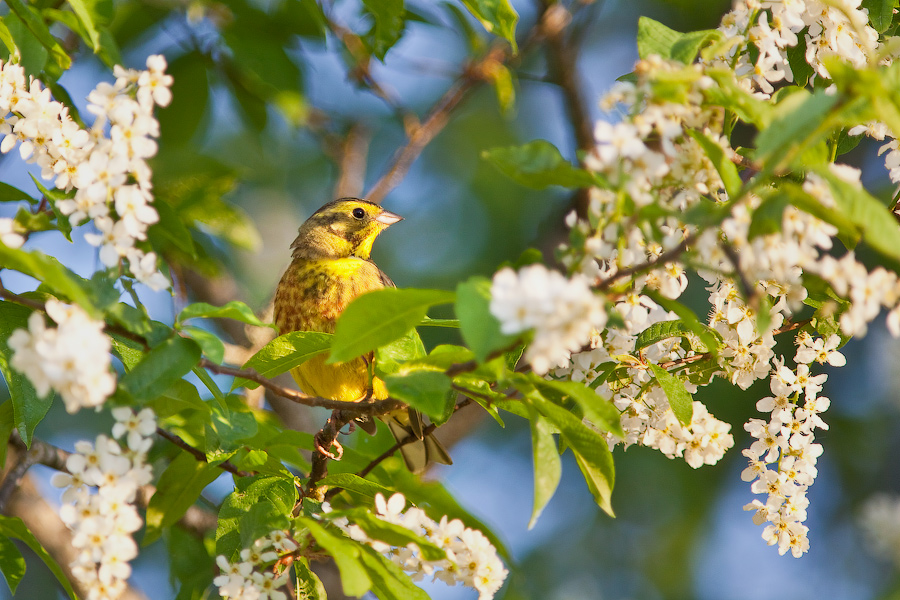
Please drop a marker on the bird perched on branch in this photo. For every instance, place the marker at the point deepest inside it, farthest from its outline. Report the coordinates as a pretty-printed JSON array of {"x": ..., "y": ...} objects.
[{"x": 331, "y": 267}]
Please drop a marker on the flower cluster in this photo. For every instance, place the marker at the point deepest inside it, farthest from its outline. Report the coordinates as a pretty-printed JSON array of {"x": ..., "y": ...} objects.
[
  {"x": 647, "y": 418},
  {"x": 108, "y": 172},
  {"x": 246, "y": 580},
  {"x": 837, "y": 29},
  {"x": 563, "y": 312},
  {"x": 786, "y": 441},
  {"x": 72, "y": 359},
  {"x": 471, "y": 558},
  {"x": 103, "y": 523},
  {"x": 758, "y": 264}
]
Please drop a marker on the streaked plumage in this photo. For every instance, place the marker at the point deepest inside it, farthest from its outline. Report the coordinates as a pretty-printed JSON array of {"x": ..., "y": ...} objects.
[{"x": 331, "y": 267}]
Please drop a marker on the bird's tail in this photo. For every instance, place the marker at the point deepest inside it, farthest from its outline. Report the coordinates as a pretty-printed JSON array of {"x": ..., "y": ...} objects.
[{"x": 424, "y": 450}]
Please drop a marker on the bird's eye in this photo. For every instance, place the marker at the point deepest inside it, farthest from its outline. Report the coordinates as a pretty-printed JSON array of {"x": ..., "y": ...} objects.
[{"x": 358, "y": 213}]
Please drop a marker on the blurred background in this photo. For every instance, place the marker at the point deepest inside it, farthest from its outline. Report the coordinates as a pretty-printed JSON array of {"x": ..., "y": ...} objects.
[{"x": 275, "y": 113}]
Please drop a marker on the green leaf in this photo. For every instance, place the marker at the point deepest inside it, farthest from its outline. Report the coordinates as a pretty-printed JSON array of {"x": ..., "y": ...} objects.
[
  {"x": 13, "y": 527},
  {"x": 660, "y": 331},
  {"x": 160, "y": 368},
  {"x": 655, "y": 38},
  {"x": 709, "y": 337},
  {"x": 598, "y": 410},
  {"x": 479, "y": 328},
  {"x": 727, "y": 169},
  {"x": 235, "y": 309},
  {"x": 7, "y": 424},
  {"x": 680, "y": 400},
  {"x": 227, "y": 432},
  {"x": 380, "y": 317},
  {"x": 170, "y": 230},
  {"x": 7, "y": 38},
  {"x": 434, "y": 499},
  {"x": 800, "y": 67},
  {"x": 34, "y": 55},
  {"x": 309, "y": 586},
  {"x": 874, "y": 219},
  {"x": 284, "y": 353},
  {"x": 538, "y": 164},
  {"x": 796, "y": 119},
  {"x": 547, "y": 466},
  {"x": 768, "y": 216},
  {"x": 388, "y": 26},
  {"x": 389, "y": 357},
  {"x": 35, "y": 24},
  {"x": 497, "y": 17},
  {"x": 47, "y": 269},
  {"x": 179, "y": 487},
  {"x": 881, "y": 13},
  {"x": 62, "y": 221},
  {"x": 502, "y": 80},
  {"x": 425, "y": 389},
  {"x": 12, "y": 563},
  {"x": 355, "y": 483},
  {"x": 9, "y": 193},
  {"x": 346, "y": 554},
  {"x": 590, "y": 449},
  {"x": 395, "y": 535},
  {"x": 28, "y": 408},
  {"x": 191, "y": 563},
  {"x": 83, "y": 10},
  {"x": 240, "y": 524},
  {"x": 389, "y": 581},
  {"x": 209, "y": 343},
  {"x": 688, "y": 45},
  {"x": 181, "y": 120}
]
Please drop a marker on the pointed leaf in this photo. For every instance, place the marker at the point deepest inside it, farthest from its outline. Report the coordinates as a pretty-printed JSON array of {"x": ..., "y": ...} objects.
[
  {"x": 235, "y": 309},
  {"x": 346, "y": 554},
  {"x": 538, "y": 164},
  {"x": 547, "y": 466},
  {"x": 15, "y": 528},
  {"x": 283, "y": 354},
  {"x": 590, "y": 449},
  {"x": 160, "y": 368},
  {"x": 28, "y": 408},
  {"x": 497, "y": 17},
  {"x": 380, "y": 317},
  {"x": 479, "y": 328},
  {"x": 178, "y": 488},
  {"x": 680, "y": 400}
]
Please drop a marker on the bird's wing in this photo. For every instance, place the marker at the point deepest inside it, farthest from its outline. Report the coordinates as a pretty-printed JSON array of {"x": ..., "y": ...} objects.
[{"x": 385, "y": 280}]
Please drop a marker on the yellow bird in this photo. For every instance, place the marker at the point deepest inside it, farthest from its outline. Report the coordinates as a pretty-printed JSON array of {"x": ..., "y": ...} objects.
[{"x": 331, "y": 267}]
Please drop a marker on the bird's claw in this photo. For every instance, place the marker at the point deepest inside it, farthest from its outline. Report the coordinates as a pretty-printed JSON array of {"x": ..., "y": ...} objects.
[{"x": 321, "y": 449}]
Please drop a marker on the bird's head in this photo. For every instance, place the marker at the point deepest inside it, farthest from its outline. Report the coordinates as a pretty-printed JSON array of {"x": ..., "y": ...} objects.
[{"x": 342, "y": 228}]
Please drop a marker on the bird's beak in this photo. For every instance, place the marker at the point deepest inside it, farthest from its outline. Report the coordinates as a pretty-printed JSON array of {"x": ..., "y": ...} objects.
[{"x": 387, "y": 218}]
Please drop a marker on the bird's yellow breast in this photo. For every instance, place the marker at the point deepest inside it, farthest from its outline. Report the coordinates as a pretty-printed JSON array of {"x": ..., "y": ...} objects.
[{"x": 311, "y": 296}]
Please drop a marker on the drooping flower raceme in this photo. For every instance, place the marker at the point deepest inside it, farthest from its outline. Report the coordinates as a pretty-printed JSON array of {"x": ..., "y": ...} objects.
[
  {"x": 246, "y": 579},
  {"x": 562, "y": 312},
  {"x": 102, "y": 523},
  {"x": 72, "y": 359},
  {"x": 471, "y": 558},
  {"x": 106, "y": 165}
]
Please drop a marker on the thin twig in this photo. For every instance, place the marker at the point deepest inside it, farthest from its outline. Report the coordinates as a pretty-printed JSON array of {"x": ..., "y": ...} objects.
[
  {"x": 421, "y": 137},
  {"x": 399, "y": 444},
  {"x": 377, "y": 407},
  {"x": 352, "y": 162},
  {"x": 663, "y": 258},
  {"x": 325, "y": 439},
  {"x": 199, "y": 455},
  {"x": 39, "y": 453}
]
